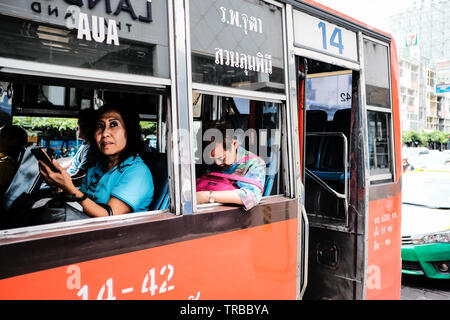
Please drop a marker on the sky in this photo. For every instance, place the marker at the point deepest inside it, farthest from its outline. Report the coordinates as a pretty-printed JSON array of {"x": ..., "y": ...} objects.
[{"x": 375, "y": 13}]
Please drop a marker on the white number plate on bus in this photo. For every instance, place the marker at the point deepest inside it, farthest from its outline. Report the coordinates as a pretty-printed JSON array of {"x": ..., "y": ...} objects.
[{"x": 325, "y": 37}]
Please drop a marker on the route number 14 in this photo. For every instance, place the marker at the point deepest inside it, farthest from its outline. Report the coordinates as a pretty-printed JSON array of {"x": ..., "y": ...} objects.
[{"x": 335, "y": 39}]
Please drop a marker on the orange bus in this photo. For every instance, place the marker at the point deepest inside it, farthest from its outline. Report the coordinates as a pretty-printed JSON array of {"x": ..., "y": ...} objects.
[{"x": 315, "y": 93}]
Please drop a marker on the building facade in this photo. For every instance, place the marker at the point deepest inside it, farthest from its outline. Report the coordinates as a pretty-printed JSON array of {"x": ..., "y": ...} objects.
[{"x": 422, "y": 34}]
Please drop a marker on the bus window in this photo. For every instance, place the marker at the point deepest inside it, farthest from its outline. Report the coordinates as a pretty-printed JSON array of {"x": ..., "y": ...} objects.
[
  {"x": 328, "y": 119},
  {"x": 48, "y": 112},
  {"x": 256, "y": 126},
  {"x": 379, "y": 143},
  {"x": 379, "y": 111}
]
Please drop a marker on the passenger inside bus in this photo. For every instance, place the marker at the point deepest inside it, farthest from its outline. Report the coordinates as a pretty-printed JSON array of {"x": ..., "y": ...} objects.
[
  {"x": 13, "y": 141},
  {"x": 53, "y": 126},
  {"x": 120, "y": 182},
  {"x": 236, "y": 163},
  {"x": 86, "y": 155},
  {"x": 257, "y": 127}
]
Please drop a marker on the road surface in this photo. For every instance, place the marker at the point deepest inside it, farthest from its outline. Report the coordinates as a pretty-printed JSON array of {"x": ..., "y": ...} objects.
[{"x": 421, "y": 288}]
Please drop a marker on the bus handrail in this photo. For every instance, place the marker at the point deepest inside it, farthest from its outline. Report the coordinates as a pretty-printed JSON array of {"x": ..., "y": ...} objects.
[
  {"x": 306, "y": 253},
  {"x": 324, "y": 184},
  {"x": 344, "y": 195}
]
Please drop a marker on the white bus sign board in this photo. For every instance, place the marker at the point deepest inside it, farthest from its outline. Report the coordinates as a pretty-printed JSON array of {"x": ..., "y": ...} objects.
[{"x": 324, "y": 37}]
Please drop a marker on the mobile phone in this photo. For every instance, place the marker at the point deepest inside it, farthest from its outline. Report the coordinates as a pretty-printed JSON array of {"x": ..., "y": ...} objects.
[{"x": 42, "y": 155}]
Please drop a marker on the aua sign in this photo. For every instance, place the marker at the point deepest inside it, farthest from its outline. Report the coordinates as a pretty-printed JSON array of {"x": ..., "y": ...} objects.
[
  {"x": 103, "y": 21},
  {"x": 93, "y": 27},
  {"x": 122, "y": 6}
]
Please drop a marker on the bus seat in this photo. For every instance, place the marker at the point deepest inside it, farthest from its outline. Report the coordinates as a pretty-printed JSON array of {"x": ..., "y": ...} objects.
[
  {"x": 17, "y": 160},
  {"x": 27, "y": 180},
  {"x": 329, "y": 175},
  {"x": 157, "y": 163},
  {"x": 333, "y": 152},
  {"x": 332, "y": 155},
  {"x": 166, "y": 199},
  {"x": 239, "y": 121},
  {"x": 316, "y": 121},
  {"x": 160, "y": 200},
  {"x": 269, "y": 185},
  {"x": 341, "y": 122},
  {"x": 271, "y": 172}
]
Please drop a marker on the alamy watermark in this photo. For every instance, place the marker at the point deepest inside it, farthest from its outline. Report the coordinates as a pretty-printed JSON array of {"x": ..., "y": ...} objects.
[{"x": 264, "y": 143}]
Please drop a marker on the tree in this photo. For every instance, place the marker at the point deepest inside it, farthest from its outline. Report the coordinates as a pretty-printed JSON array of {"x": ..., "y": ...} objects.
[
  {"x": 63, "y": 127},
  {"x": 406, "y": 137},
  {"x": 414, "y": 139},
  {"x": 48, "y": 127},
  {"x": 435, "y": 139},
  {"x": 148, "y": 127}
]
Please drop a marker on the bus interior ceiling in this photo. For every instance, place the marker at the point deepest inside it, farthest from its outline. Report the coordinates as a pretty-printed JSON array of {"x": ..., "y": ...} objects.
[{"x": 328, "y": 115}]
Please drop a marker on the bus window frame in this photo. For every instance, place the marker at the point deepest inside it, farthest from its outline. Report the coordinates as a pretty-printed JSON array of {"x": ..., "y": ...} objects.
[
  {"x": 336, "y": 61},
  {"x": 30, "y": 68},
  {"x": 286, "y": 101},
  {"x": 75, "y": 226},
  {"x": 387, "y": 177},
  {"x": 20, "y": 67},
  {"x": 68, "y": 227},
  {"x": 285, "y": 132}
]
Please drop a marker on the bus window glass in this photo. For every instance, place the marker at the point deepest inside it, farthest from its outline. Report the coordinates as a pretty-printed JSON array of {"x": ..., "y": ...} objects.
[
  {"x": 257, "y": 128},
  {"x": 380, "y": 156},
  {"x": 329, "y": 92},
  {"x": 49, "y": 114},
  {"x": 5, "y": 102},
  {"x": 196, "y": 104},
  {"x": 378, "y": 95},
  {"x": 377, "y": 74},
  {"x": 54, "y": 95},
  {"x": 230, "y": 48},
  {"x": 116, "y": 37}
]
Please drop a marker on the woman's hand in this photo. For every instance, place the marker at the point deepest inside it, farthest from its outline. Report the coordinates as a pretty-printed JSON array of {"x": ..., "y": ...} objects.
[
  {"x": 229, "y": 196},
  {"x": 60, "y": 179},
  {"x": 202, "y": 197}
]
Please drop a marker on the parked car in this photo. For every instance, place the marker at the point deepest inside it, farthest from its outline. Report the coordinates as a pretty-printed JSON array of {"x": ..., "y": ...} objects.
[
  {"x": 414, "y": 151},
  {"x": 432, "y": 161},
  {"x": 426, "y": 224}
]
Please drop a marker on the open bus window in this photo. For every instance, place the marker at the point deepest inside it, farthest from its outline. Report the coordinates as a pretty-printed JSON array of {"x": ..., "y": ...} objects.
[
  {"x": 48, "y": 112},
  {"x": 257, "y": 128},
  {"x": 328, "y": 119}
]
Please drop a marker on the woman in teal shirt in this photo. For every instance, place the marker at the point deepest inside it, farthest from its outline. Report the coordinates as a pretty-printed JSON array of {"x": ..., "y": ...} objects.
[{"x": 120, "y": 182}]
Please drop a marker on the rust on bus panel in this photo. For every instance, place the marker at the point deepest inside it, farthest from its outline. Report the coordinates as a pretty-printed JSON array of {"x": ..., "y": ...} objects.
[{"x": 256, "y": 260}]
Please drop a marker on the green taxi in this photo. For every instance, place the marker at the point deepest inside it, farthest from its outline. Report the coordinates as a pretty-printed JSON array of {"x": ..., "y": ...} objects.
[{"x": 426, "y": 224}]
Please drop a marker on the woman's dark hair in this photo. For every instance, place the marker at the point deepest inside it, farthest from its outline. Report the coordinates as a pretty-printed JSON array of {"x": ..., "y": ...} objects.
[
  {"x": 17, "y": 138},
  {"x": 130, "y": 116},
  {"x": 87, "y": 118},
  {"x": 224, "y": 130}
]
